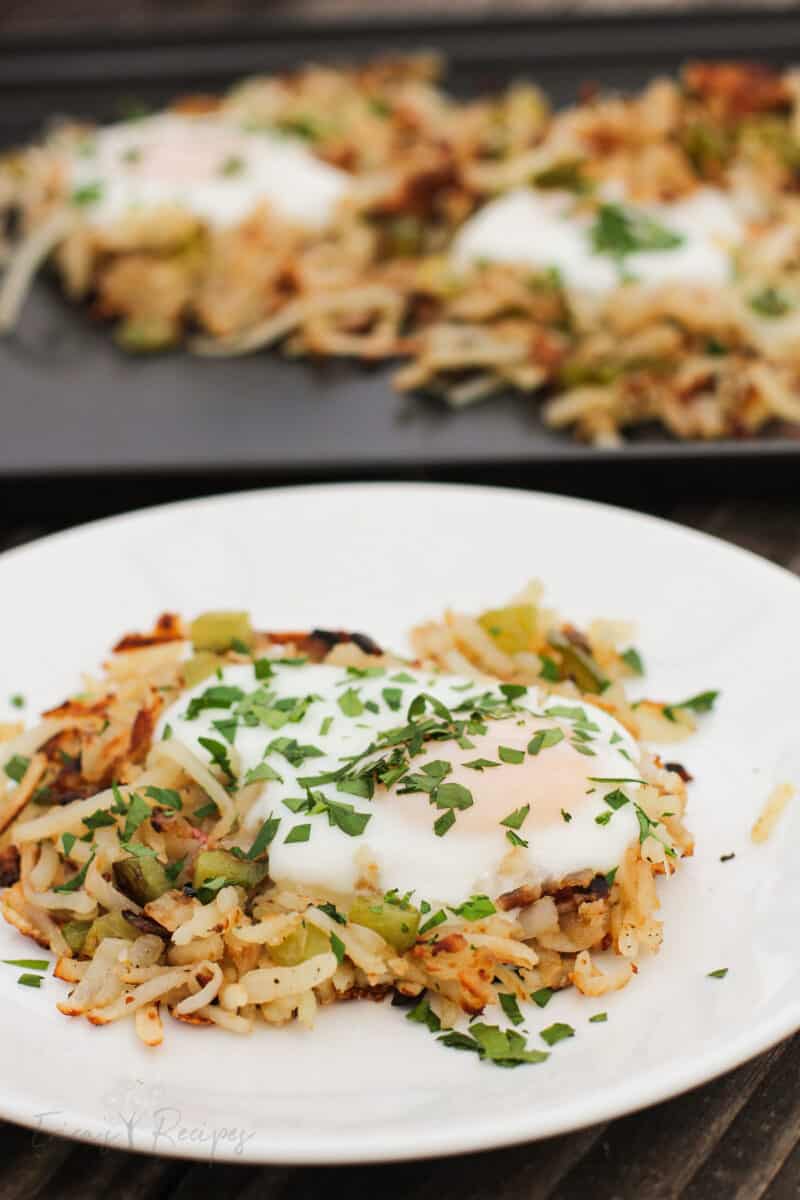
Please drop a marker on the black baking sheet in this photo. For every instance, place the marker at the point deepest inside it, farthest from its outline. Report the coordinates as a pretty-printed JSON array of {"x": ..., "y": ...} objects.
[{"x": 70, "y": 403}]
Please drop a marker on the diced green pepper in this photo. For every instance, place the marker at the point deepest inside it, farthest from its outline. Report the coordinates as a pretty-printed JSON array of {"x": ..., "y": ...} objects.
[
  {"x": 219, "y": 630},
  {"x": 220, "y": 864},
  {"x": 143, "y": 879},
  {"x": 111, "y": 924},
  {"x": 513, "y": 628},
  {"x": 578, "y": 374},
  {"x": 199, "y": 667},
  {"x": 588, "y": 675},
  {"x": 146, "y": 335},
  {"x": 395, "y": 924},
  {"x": 708, "y": 147},
  {"x": 305, "y": 942},
  {"x": 74, "y": 934},
  {"x": 566, "y": 175}
]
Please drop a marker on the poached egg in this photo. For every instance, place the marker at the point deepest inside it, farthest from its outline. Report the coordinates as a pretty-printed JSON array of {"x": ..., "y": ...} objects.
[
  {"x": 547, "y": 229},
  {"x": 533, "y": 788},
  {"x": 207, "y": 165}
]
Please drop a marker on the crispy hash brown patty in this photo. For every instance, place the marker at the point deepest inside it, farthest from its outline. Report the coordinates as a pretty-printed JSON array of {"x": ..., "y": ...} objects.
[
  {"x": 378, "y": 282},
  {"x": 125, "y": 854}
]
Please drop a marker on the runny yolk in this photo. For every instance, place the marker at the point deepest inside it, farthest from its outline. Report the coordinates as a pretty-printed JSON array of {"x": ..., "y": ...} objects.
[{"x": 554, "y": 779}]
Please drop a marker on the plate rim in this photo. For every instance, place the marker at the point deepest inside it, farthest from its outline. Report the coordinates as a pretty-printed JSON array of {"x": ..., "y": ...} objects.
[{"x": 626, "y": 1098}]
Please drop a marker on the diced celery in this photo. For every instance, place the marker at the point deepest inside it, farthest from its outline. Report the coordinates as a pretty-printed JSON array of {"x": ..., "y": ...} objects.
[
  {"x": 146, "y": 335},
  {"x": 305, "y": 942},
  {"x": 588, "y": 675},
  {"x": 220, "y": 864},
  {"x": 199, "y": 667},
  {"x": 111, "y": 924},
  {"x": 219, "y": 630},
  {"x": 396, "y": 925},
  {"x": 74, "y": 934},
  {"x": 513, "y": 628},
  {"x": 143, "y": 879}
]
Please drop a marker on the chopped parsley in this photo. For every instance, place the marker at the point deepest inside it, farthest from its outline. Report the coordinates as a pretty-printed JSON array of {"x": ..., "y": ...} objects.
[
  {"x": 438, "y": 918},
  {"x": 265, "y": 835},
  {"x": 701, "y": 703},
  {"x": 544, "y": 739},
  {"x": 543, "y": 997},
  {"x": 515, "y": 839},
  {"x": 292, "y": 751},
  {"x": 475, "y": 908},
  {"x": 298, "y": 833},
  {"x": 137, "y": 811},
  {"x": 510, "y": 1007},
  {"x": 218, "y": 696},
  {"x": 556, "y": 1033},
  {"x": 227, "y": 728},
  {"x": 233, "y": 165},
  {"x": 99, "y": 820},
  {"x": 633, "y": 659},
  {"x": 443, "y": 823},
  {"x": 618, "y": 232},
  {"x": 508, "y": 754},
  {"x": 727, "y": 857},
  {"x": 423, "y": 1014},
  {"x": 89, "y": 193},
  {"x": 28, "y": 964},
  {"x": 611, "y": 876},
  {"x": 481, "y": 764},
  {"x": 770, "y": 303},
  {"x": 206, "y": 810},
  {"x": 165, "y": 797},
  {"x": 516, "y": 819},
  {"x": 16, "y": 767},
  {"x": 332, "y": 911},
  {"x": 262, "y": 773},
  {"x": 603, "y": 818},
  {"x": 337, "y": 946},
  {"x": 566, "y": 816},
  {"x": 77, "y": 881},
  {"x": 17, "y": 700},
  {"x": 503, "y": 1047},
  {"x": 549, "y": 669},
  {"x": 393, "y": 698},
  {"x": 350, "y": 703},
  {"x": 616, "y": 799},
  {"x": 32, "y": 981},
  {"x": 68, "y": 840},
  {"x": 598, "y": 1018},
  {"x": 720, "y": 973}
]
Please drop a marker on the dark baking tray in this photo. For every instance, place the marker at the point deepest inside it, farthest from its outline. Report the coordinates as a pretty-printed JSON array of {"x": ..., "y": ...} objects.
[{"x": 72, "y": 404}]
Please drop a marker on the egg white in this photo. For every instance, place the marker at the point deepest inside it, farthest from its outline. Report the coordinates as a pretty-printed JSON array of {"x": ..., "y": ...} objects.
[
  {"x": 399, "y": 845},
  {"x": 543, "y": 229},
  {"x": 207, "y": 165}
]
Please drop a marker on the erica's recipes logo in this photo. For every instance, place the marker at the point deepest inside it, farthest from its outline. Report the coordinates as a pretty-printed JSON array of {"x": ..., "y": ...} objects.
[{"x": 138, "y": 1117}]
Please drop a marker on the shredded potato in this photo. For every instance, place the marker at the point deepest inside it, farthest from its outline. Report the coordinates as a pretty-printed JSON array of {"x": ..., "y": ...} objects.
[
  {"x": 380, "y": 282},
  {"x": 777, "y": 801},
  {"x": 107, "y": 875}
]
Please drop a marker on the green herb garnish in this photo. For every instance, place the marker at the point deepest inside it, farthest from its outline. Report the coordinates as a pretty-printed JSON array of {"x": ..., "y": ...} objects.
[{"x": 556, "y": 1033}]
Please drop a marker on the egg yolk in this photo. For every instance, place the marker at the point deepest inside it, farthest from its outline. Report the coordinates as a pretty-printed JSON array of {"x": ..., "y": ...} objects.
[{"x": 554, "y": 779}]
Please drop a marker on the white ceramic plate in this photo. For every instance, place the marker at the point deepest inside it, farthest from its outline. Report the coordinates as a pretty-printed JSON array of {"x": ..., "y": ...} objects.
[{"x": 367, "y": 1085}]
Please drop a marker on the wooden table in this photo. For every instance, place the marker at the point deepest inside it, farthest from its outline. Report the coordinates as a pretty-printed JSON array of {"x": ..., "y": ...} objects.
[{"x": 737, "y": 1138}]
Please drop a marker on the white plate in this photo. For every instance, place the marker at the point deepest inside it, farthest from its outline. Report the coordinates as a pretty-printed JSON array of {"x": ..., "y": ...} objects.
[{"x": 367, "y": 1085}]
